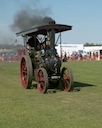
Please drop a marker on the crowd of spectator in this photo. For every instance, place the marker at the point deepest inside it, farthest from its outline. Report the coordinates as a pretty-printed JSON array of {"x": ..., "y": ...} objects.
[
  {"x": 65, "y": 57},
  {"x": 11, "y": 56},
  {"x": 81, "y": 56}
]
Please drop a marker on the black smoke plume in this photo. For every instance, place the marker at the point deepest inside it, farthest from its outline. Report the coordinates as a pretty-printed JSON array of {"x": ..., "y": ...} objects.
[{"x": 27, "y": 18}]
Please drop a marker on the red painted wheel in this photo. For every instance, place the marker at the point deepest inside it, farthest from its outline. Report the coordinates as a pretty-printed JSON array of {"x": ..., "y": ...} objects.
[
  {"x": 26, "y": 72},
  {"x": 42, "y": 80},
  {"x": 67, "y": 78}
]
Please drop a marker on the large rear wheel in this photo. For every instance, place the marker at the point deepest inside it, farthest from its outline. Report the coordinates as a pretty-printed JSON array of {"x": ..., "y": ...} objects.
[
  {"x": 42, "y": 80},
  {"x": 26, "y": 72},
  {"x": 66, "y": 78}
]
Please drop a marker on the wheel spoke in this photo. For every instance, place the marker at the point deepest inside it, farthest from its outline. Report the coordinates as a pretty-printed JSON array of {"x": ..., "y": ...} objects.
[
  {"x": 42, "y": 79},
  {"x": 67, "y": 78}
]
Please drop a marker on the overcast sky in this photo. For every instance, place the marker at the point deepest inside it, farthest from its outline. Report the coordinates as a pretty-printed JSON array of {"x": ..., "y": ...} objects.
[{"x": 84, "y": 15}]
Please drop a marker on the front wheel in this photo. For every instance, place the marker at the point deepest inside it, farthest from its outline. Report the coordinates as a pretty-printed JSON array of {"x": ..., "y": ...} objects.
[
  {"x": 66, "y": 79},
  {"x": 42, "y": 80}
]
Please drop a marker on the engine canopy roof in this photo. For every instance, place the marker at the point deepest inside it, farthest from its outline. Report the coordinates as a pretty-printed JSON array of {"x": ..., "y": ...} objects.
[{"x": 43, "y": 29}]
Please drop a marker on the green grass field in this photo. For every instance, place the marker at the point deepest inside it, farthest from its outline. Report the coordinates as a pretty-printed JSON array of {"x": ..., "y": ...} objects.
[{"x": 80, "y": 108}]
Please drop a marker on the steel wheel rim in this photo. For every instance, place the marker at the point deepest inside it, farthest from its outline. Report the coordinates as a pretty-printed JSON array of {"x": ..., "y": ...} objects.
[
  {"x": 41, "y": 81},
  {"x": 66, "y": 79},
  {"x": 23, "y": 72}
]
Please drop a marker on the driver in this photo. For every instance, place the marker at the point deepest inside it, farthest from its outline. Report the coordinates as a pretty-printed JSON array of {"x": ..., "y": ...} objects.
[{"x": 33, "y": 42}]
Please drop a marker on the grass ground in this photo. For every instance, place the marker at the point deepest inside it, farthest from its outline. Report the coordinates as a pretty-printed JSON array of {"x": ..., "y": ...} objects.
[{"x": 80, "y": 108}]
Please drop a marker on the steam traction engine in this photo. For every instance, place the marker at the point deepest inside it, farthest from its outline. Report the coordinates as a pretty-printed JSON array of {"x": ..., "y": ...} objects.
[{"x": 44, "y": 65}]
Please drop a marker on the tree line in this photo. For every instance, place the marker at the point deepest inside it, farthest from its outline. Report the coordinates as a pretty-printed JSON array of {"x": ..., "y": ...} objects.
[
  {"x": 13, "y": 46},
  {"x": 10, "y": 46},
  {"x": 92, "y": 44}
]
